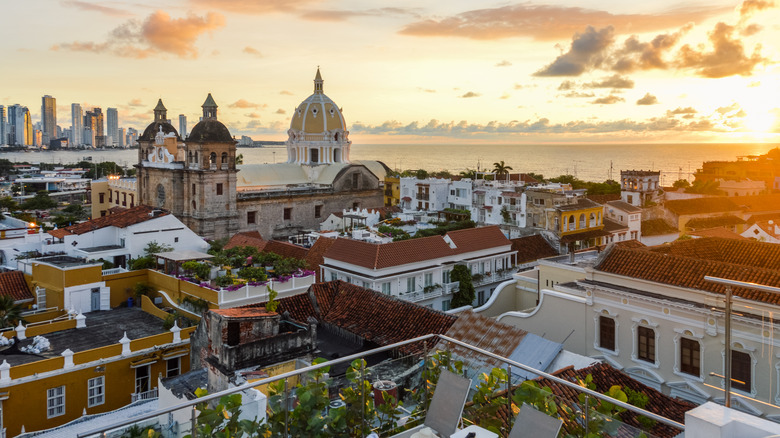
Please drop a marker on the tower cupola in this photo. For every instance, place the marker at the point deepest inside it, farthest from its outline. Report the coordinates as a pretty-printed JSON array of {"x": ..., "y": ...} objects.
[
  {"x": 160, "y": 112},
  {"x": 209, "y": 108}
]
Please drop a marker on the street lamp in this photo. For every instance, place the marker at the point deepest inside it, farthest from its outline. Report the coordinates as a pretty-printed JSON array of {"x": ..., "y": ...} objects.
[{"x": 728, "y": 283}]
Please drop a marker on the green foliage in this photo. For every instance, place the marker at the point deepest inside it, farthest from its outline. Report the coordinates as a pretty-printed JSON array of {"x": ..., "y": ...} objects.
[
  {"x": 432, "y": 368},
  {"x": 502, "y": 169},
  {"x": 136, "y": 432},
  {"x": 224, "y": 280},
  {"x": 443, "y": 229},
  {"x": 485, "y": 407},
  {"x": 537, "y": 176},
  {"x": 468, "y": 173},
  {"x": 608, "y": 187},
  {"x": 106, "y": 264},
  {"x": 41, "y": 201},
  {"x": 639, "y": 399},
  {"x": 10, "y": 312},
  {"x": 142, "y": 289},
  {"x": 359, "y": 401},
  {"x": 216, "y": 245},
  {"x": 153, "y": 248},
  {"x": 395, "y": 232},
  {"x": 201, "y": 270},
  {"x": 8, "y": 203},
  {"x": 198, "y": 305},
  {"x": 505, "y": 215},
  {"x": 6, "y": 167},
  {"x": 252, "y": 274},
  {"x": 103, "y": 169},
  {"x": 240, "y": 159},
  {"x": 305, "y": 419},
  {"x": 145, "y": 262},
  {"x": 681, "y": 184},
  {"x": 181, "y": 320},
  {"x": 705, "y": 188},
  {"x": 466, "y": 293},
  {"x": 272, "y": 304},
  {"x": 223, "y": 420}
]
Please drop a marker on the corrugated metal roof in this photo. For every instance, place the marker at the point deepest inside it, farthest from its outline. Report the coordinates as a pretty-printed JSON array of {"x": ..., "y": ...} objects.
[{"x": 536, "y": 352}]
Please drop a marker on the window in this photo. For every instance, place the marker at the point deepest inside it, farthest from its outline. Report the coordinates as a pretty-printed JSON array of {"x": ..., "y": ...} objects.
[
  {"x": 110, "y": 196},
  {"x": 645, "y": 344},
  {"x": 317, "y": 210},
  {"x": 124, "y": 199},
  {"x": 366, "y": 285},
  {"x": 55, "y": 402},
  {"x": 287, "y": 213},
  {"x": 355, "y": 205},
  {"x": 142, "y": 379},
  {"x": 410, "y": 286},
  {"x": 95, "y": 391},
  {"x": 175, "y": 240},
  {"x": 445, "y": 305},
  {"x": 334, "y": 276},
  {"x": 386, "y": 288},
  {"x": 607, "y": 333},
  {"x": 102, "y": 197},
  {"x": 355, "y": 180},
  {"x": 690, "y": 359},
  {"x": 429, "y": 279},
  {"x": 173, "y": 367},
  {"x": 445, "y": 276},
  {"x": 122, "y": 242},
  {"x": 219, "y": 188},
  {"x": 740, "y": 371},
  {"x": 481, "y": 297},
  {"x": 250, "y": 217},
  {"x": 233, "y": 333},
  {"x": 193, "y": 189}
]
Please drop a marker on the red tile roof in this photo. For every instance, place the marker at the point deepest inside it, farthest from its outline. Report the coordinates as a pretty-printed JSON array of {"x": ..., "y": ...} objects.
[
  {"x": 485, "y": 333},
  {"x": 379, "y": 256},
  {"x": 531, "y": 248},
  {"x": 253, "y": 238},
  {"x": 314, "y": 258},
  {"x": 368, "y": 314},
  {"x": 14, "y": 285},
  {"x": 712, "y": 222},
  {"x": 603, "y": 199},
  {"x": 685, "y": 263},
  {"x": 758, "y": 203},
  {"x": 119, "y": 219},
  {"x": 657, "y": 227},
  {"x": 717, "y": 232},
  {"x": 701, "y": 206}
]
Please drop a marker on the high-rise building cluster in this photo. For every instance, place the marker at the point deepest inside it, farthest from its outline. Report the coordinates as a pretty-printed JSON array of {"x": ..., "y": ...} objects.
[{"x": 88, "y": 127}]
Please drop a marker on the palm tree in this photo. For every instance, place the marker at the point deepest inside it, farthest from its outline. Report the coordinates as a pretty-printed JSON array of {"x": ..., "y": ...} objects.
[
  {"x": 502, "y": 169},
  {"x": 468, "y": 173},
  {"x": 10, "y": 312}
]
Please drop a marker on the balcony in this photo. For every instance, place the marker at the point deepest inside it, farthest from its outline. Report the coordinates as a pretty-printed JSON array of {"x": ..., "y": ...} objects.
[
  {"x": 309, "y": 402},
  {"x": 389, "y": 192},
  {"x": 146, "y": 395},
  {"x": 423, "y": 196},
  {"x": 493, "y": 277}
]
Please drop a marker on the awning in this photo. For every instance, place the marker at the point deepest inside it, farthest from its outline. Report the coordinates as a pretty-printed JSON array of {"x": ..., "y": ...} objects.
[{"x": 406, "y": 198}]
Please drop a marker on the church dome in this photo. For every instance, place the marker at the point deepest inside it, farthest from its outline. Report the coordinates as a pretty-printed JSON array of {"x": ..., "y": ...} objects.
[
  {"x": 209, "y": 129},
  {"x": 317, "y": 113},
  {"x": 160, "y": 121}
]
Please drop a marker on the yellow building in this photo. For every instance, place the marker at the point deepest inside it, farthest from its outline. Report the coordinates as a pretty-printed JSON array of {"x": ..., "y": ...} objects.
[
  {"x": 392, "y": 193},
  {"x": 113, "y": 192},
  {"x": 580, "y": 225}
]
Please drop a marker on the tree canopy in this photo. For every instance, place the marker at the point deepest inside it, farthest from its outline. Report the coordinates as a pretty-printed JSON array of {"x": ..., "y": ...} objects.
[{"x": 465, "y": 294}]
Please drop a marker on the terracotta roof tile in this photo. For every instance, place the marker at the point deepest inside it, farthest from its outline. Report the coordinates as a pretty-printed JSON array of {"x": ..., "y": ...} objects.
[
  {"x": 253, "y": 238},
  {"x": 759, "y": 203},
  {"x": 120, "y": 219},
  {"x": 531, "y": 248},
  {"x": 712, "y": 222},
  {"x": 701, "y": 205},
  {"x": 314, "y": 258},
  {"x": 603, "y": 199},
  {"x": 657, "y": 227},
  {"x": 717, "y": 232},
  {"x": 368, "y": 314},
  {"x": 475, "y": 239},
  {"x": 14, "y": 285},
  {"x": 685, "y": 263},
  {"x": 378, "y": 256}
]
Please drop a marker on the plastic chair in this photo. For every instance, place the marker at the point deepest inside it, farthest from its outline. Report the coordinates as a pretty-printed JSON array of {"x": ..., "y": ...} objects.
[
  {"x": 531, "y": 423},
  {"x": 446, "y": 405}
]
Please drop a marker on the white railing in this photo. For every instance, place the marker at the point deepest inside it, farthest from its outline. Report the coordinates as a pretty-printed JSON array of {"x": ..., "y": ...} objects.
[
  {"x": 147, "y": 395},
  {"x": 248, "y": 294},
  {"x": 420, "y": 295},
  {"x": 113, "y": 271},
  {"x": 493, "y": 278}
]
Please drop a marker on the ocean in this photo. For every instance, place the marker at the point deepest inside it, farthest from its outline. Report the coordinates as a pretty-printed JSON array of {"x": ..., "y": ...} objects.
[{"x": 589, "y": 162}]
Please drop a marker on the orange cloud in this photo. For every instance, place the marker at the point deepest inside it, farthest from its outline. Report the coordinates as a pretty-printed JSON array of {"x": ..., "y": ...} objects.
[
  {"x": 608, "y": 100},
  {"x": 281, "y": 111},
  {"x": 545, "y": 22},
  {"x": 727, "y": 57},
  {"x": 470, "y": 94},
  {"x": 343, "y": 15},
  {"x": 159, "y": 33},
  {"x": 252, "y": 51},
  {"x": 243, "y": 103},
  {"x": 136, "y": 103},
  {"x": 748, "y": 7},
  {"x": 92, "y": 7},
  {"x": 648, "y": 99},
  {"x": 253, "y": 6}
]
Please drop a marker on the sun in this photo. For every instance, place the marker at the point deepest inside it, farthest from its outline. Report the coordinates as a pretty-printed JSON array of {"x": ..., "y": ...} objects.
[{"x": 760, "y": 121}]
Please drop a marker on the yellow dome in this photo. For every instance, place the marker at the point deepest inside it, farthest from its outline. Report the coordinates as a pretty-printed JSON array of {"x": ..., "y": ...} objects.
[{"x": 317, "y": 113}]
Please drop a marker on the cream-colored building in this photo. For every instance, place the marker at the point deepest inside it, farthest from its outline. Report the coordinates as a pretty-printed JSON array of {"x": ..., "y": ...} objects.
[
  {"x": 113, "y": 192},
  {"x": 649, "y": 312}
]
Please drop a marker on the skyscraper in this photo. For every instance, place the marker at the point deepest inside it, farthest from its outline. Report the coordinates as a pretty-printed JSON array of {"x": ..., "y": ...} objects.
[
  {"x": 112, "y": 125},
  {"x": 20, "y": 133},
  {"x": 100, "y": 133},
  {"x": 121, "y": 141},
  {"x": 48, "y": 118},
  {"x": 3, "y": 137},
  {"x": 77, "y": 128},
  {"x": 182, "y": 126}
]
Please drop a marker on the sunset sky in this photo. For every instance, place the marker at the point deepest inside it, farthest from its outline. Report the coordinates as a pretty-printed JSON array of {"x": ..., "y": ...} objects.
[{"x": 411, "y": 71}]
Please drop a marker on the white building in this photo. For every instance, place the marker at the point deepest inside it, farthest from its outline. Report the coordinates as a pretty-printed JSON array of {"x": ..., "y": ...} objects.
[
  {"x": 638, "y": 187},
  {"x": 430, "y": 194},
  {"x": 627, "y": 215},
  {"x": 763, "y": 231},
  {"x": 744, "y": 187},
  {"x": 418, "y": 270},
  {"x": 649, "y": 312}
]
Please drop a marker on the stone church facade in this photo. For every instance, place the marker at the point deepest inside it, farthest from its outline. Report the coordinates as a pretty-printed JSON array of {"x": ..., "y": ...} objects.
[{"x": 198, "y": 181}]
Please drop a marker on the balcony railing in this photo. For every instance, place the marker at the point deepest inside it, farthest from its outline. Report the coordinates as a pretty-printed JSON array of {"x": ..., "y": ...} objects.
[
  {"x": 113, "y": 271},
  {"x": 288, "y": 401},
  {"x": 492, "y": 277},
  {"x": 146, "y": 395},
  {"x": 423, "y": 196}
]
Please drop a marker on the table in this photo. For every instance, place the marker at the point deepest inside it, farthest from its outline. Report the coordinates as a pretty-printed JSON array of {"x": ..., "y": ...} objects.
[{"x": 480, "y": 432}]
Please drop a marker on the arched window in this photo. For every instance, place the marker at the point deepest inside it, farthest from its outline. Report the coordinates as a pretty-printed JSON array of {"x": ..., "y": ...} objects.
[
  {"x": 213, "y": 158},
  {"x": 571, "y": 223},
  {"x": 196, "y": 156},
  {"x": 582, "y": 221},
  {"x": 193, "y": 205},
  {"x": 224, "y": 157},
  {"x": 592, "y": 221}
]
